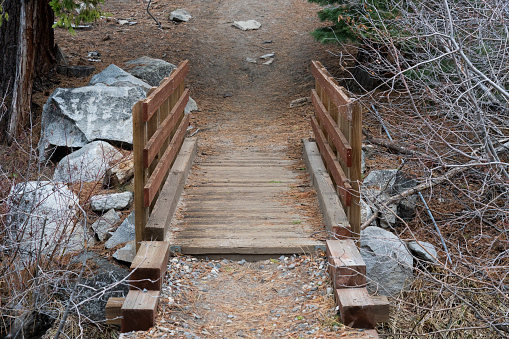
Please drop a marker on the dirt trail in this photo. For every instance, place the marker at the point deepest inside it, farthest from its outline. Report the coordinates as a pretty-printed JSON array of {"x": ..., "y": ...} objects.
[{"x": 244, "y": 107}]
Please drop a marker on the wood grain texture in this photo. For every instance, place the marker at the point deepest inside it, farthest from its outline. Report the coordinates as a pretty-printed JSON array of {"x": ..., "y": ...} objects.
[
  {"x": 332, "y": 130},
  {"x": 355, "y": 307},
  {"x": 139, "y": 310},
  {"x": 157, "y": 140},
  {"x": 149, "y": 265},
  {"x": 346, "y": 266},
  {"x": 333, "y": 167},
  {"x": 164, "y": 90},
  {"x": 328, "y": 84},
  {"x": 233, "y": 208},
  {"x": 156, "y": 179}
]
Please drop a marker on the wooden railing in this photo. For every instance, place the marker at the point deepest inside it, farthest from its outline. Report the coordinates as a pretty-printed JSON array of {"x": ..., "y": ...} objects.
[
  {"x": 159, "y": 128},
  {"x": 337, "y": 126}
]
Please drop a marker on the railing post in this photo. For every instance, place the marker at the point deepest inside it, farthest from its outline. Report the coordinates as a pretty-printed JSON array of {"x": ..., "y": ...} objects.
[
  {"x": 140, "y": 214},
  {"x": 355, "y": 170}
]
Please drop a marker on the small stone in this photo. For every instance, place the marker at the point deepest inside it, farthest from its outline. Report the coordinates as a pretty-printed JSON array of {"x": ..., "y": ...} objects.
[
  {"x": 247, "y": 25},
  {"x": 231, "y": 316},
  {"x": 251, "y": 60},
  {"x": 180, "y": 15},
  {"x": 291, "y": 267},
  {"x": 268, "y": 56},
  {"x": 242, "y": 262},
  {"x": 268, "y": 62}
]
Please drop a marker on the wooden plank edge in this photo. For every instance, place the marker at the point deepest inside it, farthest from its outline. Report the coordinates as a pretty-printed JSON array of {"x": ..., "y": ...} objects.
[
  {"x": 333, "y": 91},
  {"x": 154, "y": 182},
  {"x": 334, "y": 168},
  {"x": 346, "y": 266},
  {"x": 333, "y": 213},
  {"x": 139, "y": 310},
  {"x": 113, "y": 310},
  {"x": 154, "y": 229},
  {"x": 342, "y": 145},
  {"x": 149, "y": 266},
  {"x": 164, "y": 130},
  {"x": 164, "y": 90}
]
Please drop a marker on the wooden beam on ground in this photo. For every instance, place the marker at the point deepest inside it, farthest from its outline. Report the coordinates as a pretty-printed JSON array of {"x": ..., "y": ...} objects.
[
  {"x": 333, "y": 213},
  {"x": 166, "y": 204},
  {"x": 381, "y": 308},
  {"x": 139, "y": 310},
  {"x": 355, "y": 307},
  {"x": 114, "y": 310},
  {"x": 346, "y": 266},
  {"x": 149, "y": 265}
]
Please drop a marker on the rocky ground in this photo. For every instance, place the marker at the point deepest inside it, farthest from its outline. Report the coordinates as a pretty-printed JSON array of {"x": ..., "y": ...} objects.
[{"x": 286, "y": 297}]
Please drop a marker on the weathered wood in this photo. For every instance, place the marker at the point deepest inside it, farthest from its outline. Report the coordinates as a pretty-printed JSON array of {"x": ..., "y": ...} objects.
[
  {"x": 166, "y": 204},
  {"x": 381, "y": 308},
  {"x": 346, "y": 266},
  {"x": 355, "y": 307},
  {"x": 114, "y": 310},
  {"x": 149, "y": 265},
  {"x": 119, "y": 174},
  {"x": 164, "y": 130},
  {"x": 167, "y": 87},
  {"x": 154, "y": 182},
  {"x": 141, "y": 213},
  {"x": 139, "y": 310},
  {"x": 328, "y": 84},
  {"x": 355, "y": 171},
  {"x": 333, "y": 213},
  {"x": 338, "y": 139},
  {"x": 333, "y": 167}
]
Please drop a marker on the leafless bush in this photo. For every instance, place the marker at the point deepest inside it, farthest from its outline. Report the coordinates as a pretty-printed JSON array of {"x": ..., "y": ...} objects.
[
  {"x": 43, "y": 273},
  {"x": 440, "y": 76}
]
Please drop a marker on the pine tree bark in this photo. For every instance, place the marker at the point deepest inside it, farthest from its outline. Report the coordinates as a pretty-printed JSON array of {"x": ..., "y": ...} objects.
[{"x": 26, "y": 53}]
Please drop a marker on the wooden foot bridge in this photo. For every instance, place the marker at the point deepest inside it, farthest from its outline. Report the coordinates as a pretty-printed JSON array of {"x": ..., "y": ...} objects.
[{"x": 234, "y": 207}]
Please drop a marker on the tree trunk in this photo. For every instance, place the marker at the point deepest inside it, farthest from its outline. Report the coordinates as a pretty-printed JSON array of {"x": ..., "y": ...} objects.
[{"x": 26, "y": 53}]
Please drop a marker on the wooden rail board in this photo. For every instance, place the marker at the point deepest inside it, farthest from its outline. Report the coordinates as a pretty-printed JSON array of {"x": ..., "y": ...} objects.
[
  {"x": 338, "y": 139},
  {"x": 338, "y": 175},
  {"x": 254, "y": 219}
]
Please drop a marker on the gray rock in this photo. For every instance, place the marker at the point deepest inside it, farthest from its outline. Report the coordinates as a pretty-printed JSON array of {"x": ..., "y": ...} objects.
[
  {"x": 251, "y": 60},
  {"x": 366, "y": 211},
  {"x": 117, "y": 77},
  {"x": 389, "y": 264},
  {"x": 88, "y": 164},
  {"x": 382, "y": 179},
  {"x": 117, "y": 201},
  {"x": 124, "y": 233},
  {"x": 363, "y": 161},
  {"x": 180, "y": 15},
  {"x": 30, "y": 204},
  {"x": 374, "y": 197},
  {"x": 126, "y": 253},
  {"x": 152, "y": 71},
  {"x": 406, "y": 207},
  {"x": 422, "y": 250},
  {"x": 73, "y": 117},
  {"x": 106, "y": 276},
  {"x": 268, "y": 56},
  {"x": 191, "y": 106},
  {"x": 105, "y": 223},
  {"x": 247, "y": 25}
]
